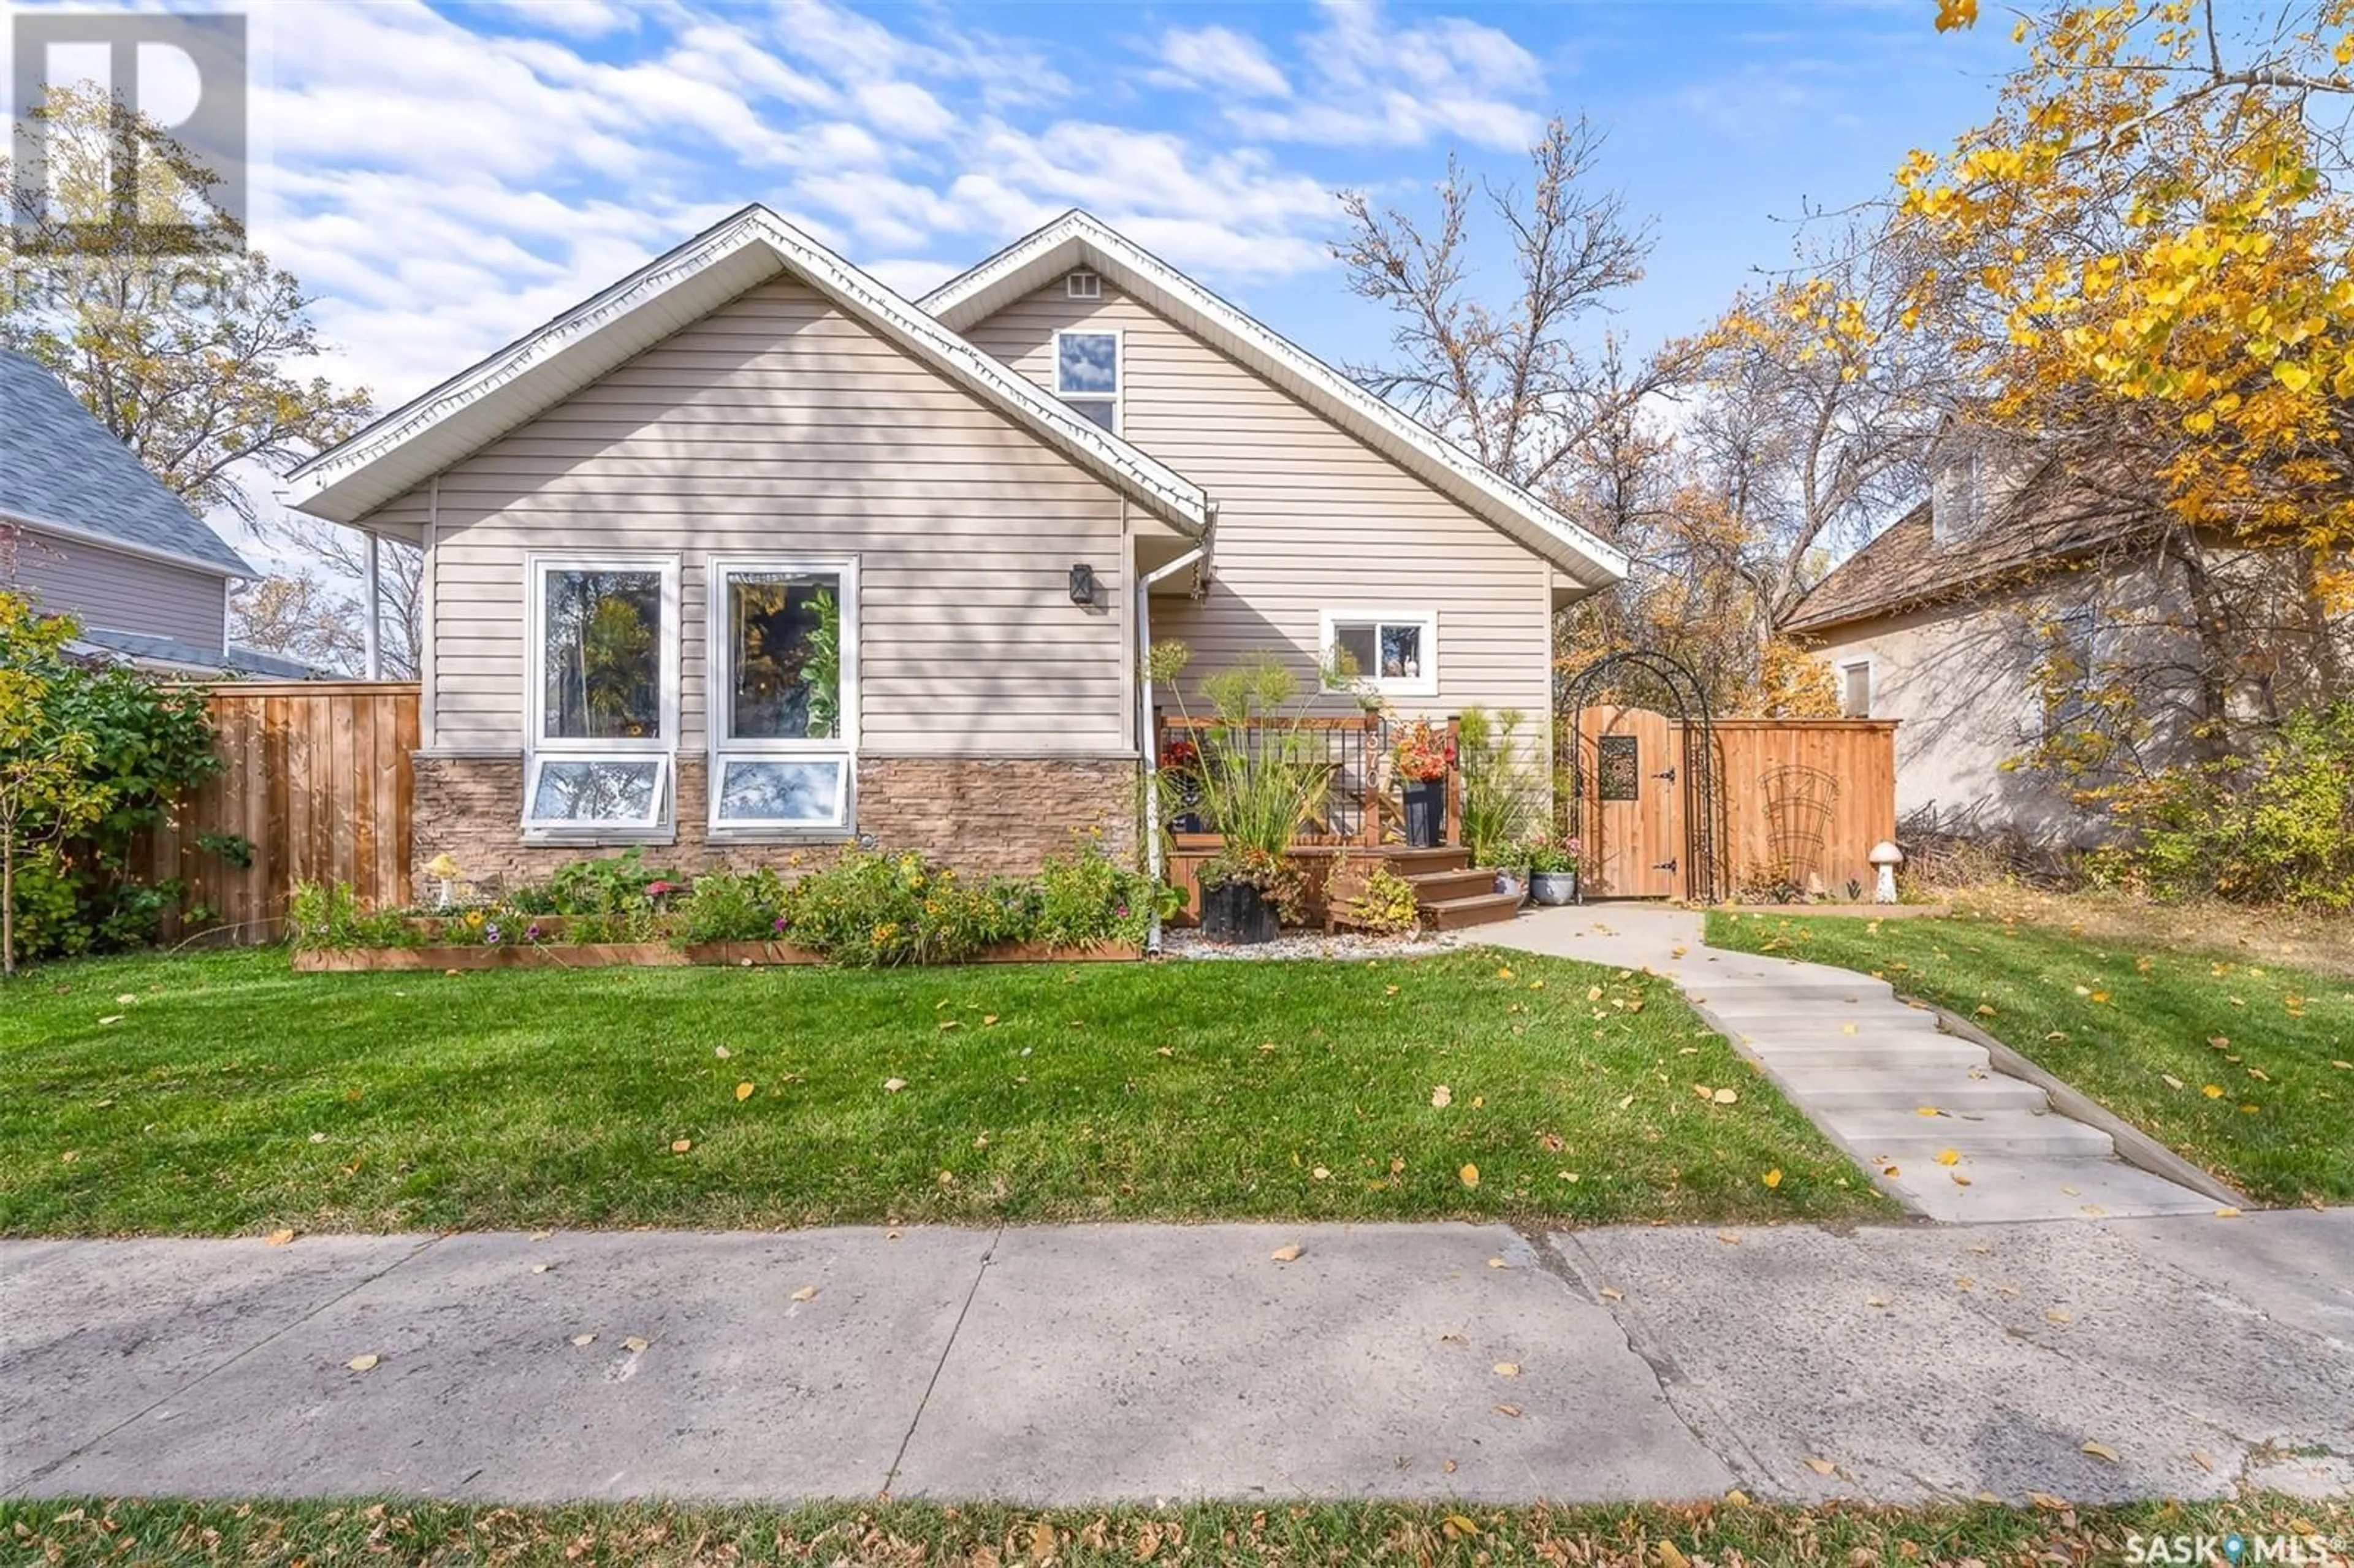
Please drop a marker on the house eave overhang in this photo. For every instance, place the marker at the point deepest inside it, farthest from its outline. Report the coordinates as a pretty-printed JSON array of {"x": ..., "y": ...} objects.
[
  {"x": 1077, "y": 240},
  {"x": 423, "y": 437},
  {"x": 99, "y": 539}
]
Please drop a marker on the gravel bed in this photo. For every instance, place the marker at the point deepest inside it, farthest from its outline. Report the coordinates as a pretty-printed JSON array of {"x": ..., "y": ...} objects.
[{"x": 1183, "y": 942}]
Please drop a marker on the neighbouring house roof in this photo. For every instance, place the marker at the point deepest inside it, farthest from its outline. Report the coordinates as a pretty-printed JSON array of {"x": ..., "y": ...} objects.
[
  {"x": 539, "y": 370},
  {"x": 2056, "y": 517},
  {"x": 65, "y": 473},
  {"x": 1078, "y": 239},
  {"x": 171, "y": 653}
]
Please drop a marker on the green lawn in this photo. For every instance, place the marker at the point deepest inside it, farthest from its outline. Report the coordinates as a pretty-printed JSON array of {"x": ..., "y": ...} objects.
[
  {"x": 218, "y": 1093},
  {"x": 2239, "y": 1064},
  {"x": 170, "y": 1535}
]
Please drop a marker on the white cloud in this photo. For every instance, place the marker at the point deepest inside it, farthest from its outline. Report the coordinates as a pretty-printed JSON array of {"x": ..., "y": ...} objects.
[
  {"x": 1222, "y": 61},
  {"x": 1374, "y": 84}
]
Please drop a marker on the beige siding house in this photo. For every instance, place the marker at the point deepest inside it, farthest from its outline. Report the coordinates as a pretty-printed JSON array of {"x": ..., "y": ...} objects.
[{"x": 748, "y": 557}]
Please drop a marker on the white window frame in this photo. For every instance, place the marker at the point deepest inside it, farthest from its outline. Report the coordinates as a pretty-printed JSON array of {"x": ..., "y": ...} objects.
[
  {"x": 1870, "y": 685},
  {"x": 1118, "y": 398},
  {"x": 539, "y": 748},
  {"x": 1081, "y": 283},
  {"x": 1423, "y": 686},
  {"x": 720, "y": 707}
]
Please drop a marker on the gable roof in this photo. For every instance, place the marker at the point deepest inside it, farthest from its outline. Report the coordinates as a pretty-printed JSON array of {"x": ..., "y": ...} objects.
[
  {"x": 395, "y": 452},
  {"x": 1080, "y": 239},
  {"x": 63, "y": 471},
  {"x": 2056, "y": 517}
]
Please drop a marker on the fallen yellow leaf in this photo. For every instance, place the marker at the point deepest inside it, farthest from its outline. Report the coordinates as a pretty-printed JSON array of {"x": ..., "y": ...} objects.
[
  {"x": 806, "y": 1293},
  {"x": 742, "y": 1091},
  {"x": 1772, "y": 1178},
  {"x": 1470, "y": 1175},
  {"x": 682, "y": 1146},
  {"x": 634, "y": 1344},
  {"x": 1822, "y": 1466},
  {"x": 2055, "y": 1315},
  {"x": 1288, "y": 1254},
  {"x": 584, "y": 1339},
  {"x": 1949, "y": 1157},
  {"x": 1497, "y": 1263},
  {"x": 893, "y": 1085},
  {"x": 1441, "y": 1097},
  {"x": 1512, "y": 1410},
  {"x": 281, "y": 1238},
  {"x": 2212, "y": 1091},
  {"x": 361, "y": 1363},
  {"x": 1508, "y": 1369},
  {"x": 2099, "y": 1450}
]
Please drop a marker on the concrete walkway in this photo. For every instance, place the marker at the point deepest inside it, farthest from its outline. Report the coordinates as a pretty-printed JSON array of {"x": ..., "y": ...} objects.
[
  {"x": 1880, "y": 1077},
  {"x": 1101, "y": 1363}
]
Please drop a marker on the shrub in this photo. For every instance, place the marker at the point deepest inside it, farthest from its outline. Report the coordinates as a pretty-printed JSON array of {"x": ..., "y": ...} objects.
[
  {"x": 90, "y": 759},
  {"x": 2277, "y": 827},
  {"x": 1256, "y": 776},
  {"x": 1386, "y": 906},
  {"x": 734, "y": 906},
  {"x": 1086, "y": 899},
  {"x": 615, "y": 884},
  {"x": 871, "y": 910}
]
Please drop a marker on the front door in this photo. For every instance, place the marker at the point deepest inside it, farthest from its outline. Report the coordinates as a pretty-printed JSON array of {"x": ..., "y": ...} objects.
[{"x": 1632, "y": 811}]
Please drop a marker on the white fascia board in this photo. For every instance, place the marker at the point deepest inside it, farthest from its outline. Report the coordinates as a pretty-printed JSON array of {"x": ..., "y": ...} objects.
[
  {"x": 1079, "y": 239},
  {"x": 458, "y": 417}
]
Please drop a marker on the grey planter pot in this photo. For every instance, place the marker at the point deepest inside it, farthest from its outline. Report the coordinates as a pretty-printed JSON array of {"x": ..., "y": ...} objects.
[
  {"x": 1553, "y": 888},
  {"x": 1513, "y": 881}
]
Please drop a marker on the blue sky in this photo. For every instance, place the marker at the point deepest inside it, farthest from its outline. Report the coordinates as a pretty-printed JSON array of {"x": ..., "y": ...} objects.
[{"x": 443, "y": 177}]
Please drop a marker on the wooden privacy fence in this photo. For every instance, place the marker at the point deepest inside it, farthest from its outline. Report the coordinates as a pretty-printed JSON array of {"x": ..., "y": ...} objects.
[
  {"x": 1797, "y": 802},
  {"x": 316, "y": 780}
]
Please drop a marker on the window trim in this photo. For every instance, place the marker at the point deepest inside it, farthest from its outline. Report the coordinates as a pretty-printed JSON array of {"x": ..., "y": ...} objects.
[
  {"x": 721, "y": 747},
  {"x": 1871, "y": 669},
  {"x": 1423, "y": 686},
  {"x": 537, "y": 566},
  {"x": 1082, "y": 284},
  {"x": 1118, "y": 396}
]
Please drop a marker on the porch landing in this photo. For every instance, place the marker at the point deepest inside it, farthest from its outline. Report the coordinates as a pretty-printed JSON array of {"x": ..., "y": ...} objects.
[{"x": 1880, "y": 1077}]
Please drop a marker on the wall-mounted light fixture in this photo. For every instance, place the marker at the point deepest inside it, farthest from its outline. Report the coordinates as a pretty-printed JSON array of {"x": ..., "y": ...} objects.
[{"x": 1083, "y": 583}]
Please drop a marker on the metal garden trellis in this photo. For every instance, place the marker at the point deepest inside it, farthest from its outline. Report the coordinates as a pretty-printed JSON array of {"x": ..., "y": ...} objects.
[{"x": 1686, "y": 703}]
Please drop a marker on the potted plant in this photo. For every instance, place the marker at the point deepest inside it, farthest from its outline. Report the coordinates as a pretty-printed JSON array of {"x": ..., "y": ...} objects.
[
  {"x": 1255, "y": 781},
  {"x": 1181, "y": 768},
  {"x": 1421, "y": 757},
  {"x": 1553, "y": 869}
]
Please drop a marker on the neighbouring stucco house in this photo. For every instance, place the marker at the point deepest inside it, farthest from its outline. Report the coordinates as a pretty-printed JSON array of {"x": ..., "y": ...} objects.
[
  {"x": 747, "y": 555},
  {"x": 1989, "y": 617},
  {"x": 86, "y": 531}
]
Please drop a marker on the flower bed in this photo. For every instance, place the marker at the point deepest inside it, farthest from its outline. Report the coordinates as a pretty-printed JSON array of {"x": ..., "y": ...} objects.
[{"x": 869, "y": 910}]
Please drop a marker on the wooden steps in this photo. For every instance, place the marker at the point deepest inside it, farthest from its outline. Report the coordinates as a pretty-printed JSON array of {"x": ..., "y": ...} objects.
[{"x": 1451, "y": 892}]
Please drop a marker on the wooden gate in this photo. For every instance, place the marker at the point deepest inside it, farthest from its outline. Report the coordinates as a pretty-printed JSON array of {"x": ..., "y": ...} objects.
[{"x": 1632, "y": 820}]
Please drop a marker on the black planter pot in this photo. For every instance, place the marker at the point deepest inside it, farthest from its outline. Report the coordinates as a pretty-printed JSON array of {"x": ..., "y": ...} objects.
[
  {"x": 1238, "y": 912},
  {"x": 1426, "y": 812}
]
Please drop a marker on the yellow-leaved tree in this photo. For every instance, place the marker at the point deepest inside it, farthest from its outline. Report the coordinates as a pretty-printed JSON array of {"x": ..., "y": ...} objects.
[{"x": 2141, "y": 262}]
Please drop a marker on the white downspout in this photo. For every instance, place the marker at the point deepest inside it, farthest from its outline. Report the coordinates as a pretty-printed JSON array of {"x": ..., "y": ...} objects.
[
  {"x": 372, "y": 641},
  {"x": 1145, "y": 737}
]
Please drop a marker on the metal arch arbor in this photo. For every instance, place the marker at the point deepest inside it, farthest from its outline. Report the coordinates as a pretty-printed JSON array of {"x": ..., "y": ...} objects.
[{"x": 1688, "y": 704}]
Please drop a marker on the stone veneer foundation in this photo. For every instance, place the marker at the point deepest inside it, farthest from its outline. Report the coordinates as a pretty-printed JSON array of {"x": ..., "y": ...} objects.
[{"x": 983, "y": 815}]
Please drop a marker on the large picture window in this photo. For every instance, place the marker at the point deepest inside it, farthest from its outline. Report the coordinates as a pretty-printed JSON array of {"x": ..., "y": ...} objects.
[
  {"x": 784, "y": 693},
  {"x": 603, "y": 693}
]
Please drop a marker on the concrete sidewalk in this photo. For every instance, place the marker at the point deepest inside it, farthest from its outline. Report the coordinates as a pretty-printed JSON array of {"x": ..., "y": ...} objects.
[{"x": 1134, "y": 1362}]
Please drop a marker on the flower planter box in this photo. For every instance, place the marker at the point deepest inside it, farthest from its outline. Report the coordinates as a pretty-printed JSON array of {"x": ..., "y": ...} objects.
[
  {"x": 551, "y": 926},
  {"x": 607, "y": 955},
  {"x": 479, "y": 956}
]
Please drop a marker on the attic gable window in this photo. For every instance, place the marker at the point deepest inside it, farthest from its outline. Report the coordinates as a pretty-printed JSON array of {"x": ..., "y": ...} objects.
[
  {"x": 1087, "y": 374},
  {"x": 1083, "y": 285}
]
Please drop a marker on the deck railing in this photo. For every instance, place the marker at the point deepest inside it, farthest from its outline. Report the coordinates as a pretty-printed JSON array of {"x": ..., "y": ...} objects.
[{"x": 1361, "y": 803}]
